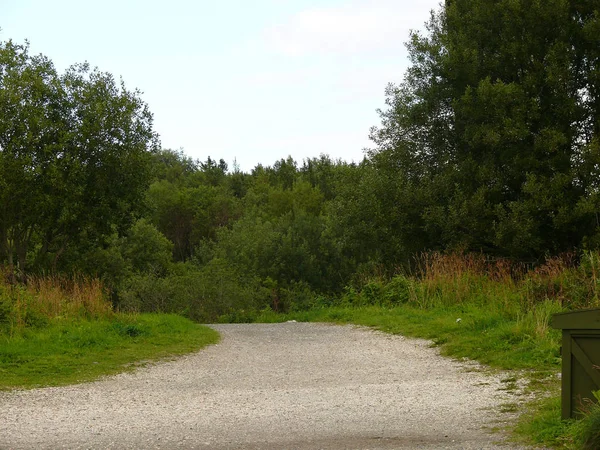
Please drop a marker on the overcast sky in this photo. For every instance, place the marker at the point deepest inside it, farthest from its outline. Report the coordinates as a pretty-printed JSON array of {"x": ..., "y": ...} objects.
[{"x": 254, "y": 80}]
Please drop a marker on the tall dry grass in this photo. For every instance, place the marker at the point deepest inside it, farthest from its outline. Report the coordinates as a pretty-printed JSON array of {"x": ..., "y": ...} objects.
[
  {"x": 49, "y": 297},
  {"x": 456, "y": 278},
  {"x": 569, "y": 280}
]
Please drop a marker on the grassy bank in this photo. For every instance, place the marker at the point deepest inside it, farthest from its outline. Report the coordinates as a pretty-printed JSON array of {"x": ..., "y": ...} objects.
[
  {"x": 57, "y": 331},
  {"x": 67, "y": 351}
]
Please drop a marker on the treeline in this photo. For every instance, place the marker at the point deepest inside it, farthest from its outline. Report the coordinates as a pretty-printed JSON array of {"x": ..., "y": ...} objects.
[
  {"x": 210, "y": 241},
  {"x": 490, "y": 144}
]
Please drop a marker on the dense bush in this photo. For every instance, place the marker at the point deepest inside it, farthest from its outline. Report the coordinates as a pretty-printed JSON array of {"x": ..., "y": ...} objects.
[{"x": 200, "y": 293}]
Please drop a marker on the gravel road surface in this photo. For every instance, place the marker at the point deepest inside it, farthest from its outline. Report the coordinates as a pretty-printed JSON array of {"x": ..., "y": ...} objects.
[{"x": 272, "y": 386}]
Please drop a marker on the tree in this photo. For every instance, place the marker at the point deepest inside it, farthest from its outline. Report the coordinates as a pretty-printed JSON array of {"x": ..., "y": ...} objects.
[
  {"x": 214, "y": 172},
  {"x": 283, "y": 173},
  {"x": 189, "y": 214},
  {"x": 496, "y": 126},
  {"x": 173, "y": 166},
  {"x": 74, "y": 156}
]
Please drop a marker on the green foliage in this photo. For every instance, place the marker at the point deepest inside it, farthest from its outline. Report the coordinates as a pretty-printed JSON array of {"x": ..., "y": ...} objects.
[
  {"x": 147, "y": 249},
  {"x": 67, "y": 351},
  {"x": 280, "y": 236},
  {"x": 489, "y": 144},
  {"x": 492, "y": 135},
  {"x": 74, "y": 157},
  {"x": 190, "y": 213},
  {"x": 172, "y": 166},
  {"x": 143, "y": 250},
  {"x": 398, "y": 290},
  {"x": 587, "y": 430},
  {"x": 200, "y": 293}
]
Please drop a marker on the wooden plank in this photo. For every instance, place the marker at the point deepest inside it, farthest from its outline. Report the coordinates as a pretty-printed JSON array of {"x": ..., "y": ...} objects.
[
  {"x": 585, "y": 362},
  {"x": 566, "y": 396},
  {"x": 585, "y": 319}
]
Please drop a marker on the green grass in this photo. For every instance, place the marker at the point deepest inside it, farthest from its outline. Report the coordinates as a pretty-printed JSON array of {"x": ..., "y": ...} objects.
[
  {"x": 541, "y": 423},
  {"x": 73, "y": 351}
]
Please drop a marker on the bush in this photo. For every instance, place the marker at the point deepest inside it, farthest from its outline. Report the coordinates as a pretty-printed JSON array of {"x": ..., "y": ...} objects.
[
  {"x": 372, "y": 293},
  {"x": 398, "y": 290},
  {"x": 148, "y": 293},
  {"x": 201, "y": 293},
  {"x": 298, "y": 297}
]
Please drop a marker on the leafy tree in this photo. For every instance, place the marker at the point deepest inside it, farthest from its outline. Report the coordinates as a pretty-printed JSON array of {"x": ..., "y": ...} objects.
[
  {"x": 238, "y": 181},
  {"x": 213, "y": 172},
  {"x": 322, "y": 173},
  {"x": 74, "y": 156},
  {"x": 146, "y": 249},
  {"x": 173, "y": 166},
  {"x": 190, "y": 213},
  {"x": 496, "y": 126},
  {"x": 142, "y": 251},
  {"x": 279, "y": 237},
  {"x": 283, "y": 173}
]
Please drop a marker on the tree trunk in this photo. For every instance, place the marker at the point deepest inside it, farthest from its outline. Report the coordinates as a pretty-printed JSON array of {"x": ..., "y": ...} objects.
[{"x": 9, "y": 250}]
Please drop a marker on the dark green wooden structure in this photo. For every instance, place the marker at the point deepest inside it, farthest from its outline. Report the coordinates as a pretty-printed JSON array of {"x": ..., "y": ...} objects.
[{"x": 580, "y": 357}]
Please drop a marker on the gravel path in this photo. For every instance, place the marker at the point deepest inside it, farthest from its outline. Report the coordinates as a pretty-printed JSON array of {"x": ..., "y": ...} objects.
[{"x": 272, "y": 386}]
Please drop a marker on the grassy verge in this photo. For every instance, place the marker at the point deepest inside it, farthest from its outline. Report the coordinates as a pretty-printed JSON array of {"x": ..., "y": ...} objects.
[
  {"x": 56, "y": 331},
  {"x": 73, "y": 351}
]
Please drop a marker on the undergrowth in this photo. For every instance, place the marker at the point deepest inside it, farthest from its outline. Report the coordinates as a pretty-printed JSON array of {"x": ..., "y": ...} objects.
[{"x": 44, "y": 299}]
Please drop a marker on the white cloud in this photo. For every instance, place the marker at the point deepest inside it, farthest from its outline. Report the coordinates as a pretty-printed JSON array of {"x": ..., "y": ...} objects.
[{"x": 361, "y": 27}]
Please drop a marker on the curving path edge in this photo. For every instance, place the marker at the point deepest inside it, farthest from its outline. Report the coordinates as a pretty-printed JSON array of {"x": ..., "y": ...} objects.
[{"x": 273, "y": 386}]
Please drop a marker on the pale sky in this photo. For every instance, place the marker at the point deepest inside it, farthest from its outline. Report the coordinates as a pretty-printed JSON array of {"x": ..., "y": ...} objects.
[{"x": 254, "y": 80}]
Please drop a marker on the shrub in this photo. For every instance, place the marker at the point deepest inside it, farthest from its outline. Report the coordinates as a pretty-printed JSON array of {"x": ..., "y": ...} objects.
[
  {"x": 398, "y": 290},
  {"x": 298, "y": 297},
  {"x": 372, "y": 293},
  {"x": 201, "y": 293}
]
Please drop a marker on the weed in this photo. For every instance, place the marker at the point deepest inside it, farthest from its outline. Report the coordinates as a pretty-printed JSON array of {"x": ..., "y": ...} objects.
[{"x": 586, "y": 432}]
